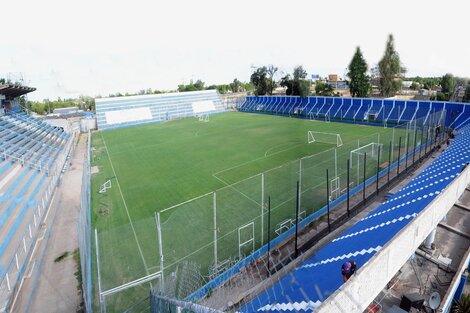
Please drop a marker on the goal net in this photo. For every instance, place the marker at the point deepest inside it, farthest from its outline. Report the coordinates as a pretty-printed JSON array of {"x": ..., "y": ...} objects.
[
  {"x": 105, "y": 186},
  {"x": 335, "y": 188},
  {"x": 330, "y": 138},
  {"x": 203, "y": 118},
  {"x": 371, "y": 150}
]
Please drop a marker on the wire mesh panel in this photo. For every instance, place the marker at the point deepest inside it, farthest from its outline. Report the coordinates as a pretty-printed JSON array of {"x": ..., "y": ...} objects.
[
  {"x": 147, "y": 235},
  {"x": 237, "y": 207},
  {"x": 313, "y": 181},
  {"x": 187, "y": 234},
  {"x": 84, "y": 231},
  {"x": 135, "y": 299},
  {"x": 120, "y": 257},
  {"x": 281, "y": 184}
]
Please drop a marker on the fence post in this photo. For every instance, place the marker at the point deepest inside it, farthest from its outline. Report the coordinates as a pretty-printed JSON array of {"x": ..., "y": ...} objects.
[
  {"x": 364, "y": 179},
  {"x": 414, "y": 145},
  {"x": 407, "y": 145},
  {"x": 297, "y": 220},
  {"x": 421, "y": 143},
  {"x": 160, "y": 249},
  {"x": 102, "y": 309},
  {"x": 398, "y": 164},
  {"x": 262, "y": 209},
  {"x": 299, "y": 189},
  {"x": 389, "y": 162},
  {"x": 269, "y": 234},
  {"x": 215, "y": 227},
  {"x": 378, "y": 170},
  {"x": 328, "y": 199},
  {"x": 347, "y": 205},
  {"x": 427, "y": 139}
]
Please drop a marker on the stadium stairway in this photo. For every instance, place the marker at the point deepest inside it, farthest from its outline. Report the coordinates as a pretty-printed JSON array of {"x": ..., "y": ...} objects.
[{"x": 318, "y": 277}]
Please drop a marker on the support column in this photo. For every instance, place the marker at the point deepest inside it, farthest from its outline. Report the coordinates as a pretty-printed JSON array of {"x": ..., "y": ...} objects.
[{"x": 430, "y": 239}]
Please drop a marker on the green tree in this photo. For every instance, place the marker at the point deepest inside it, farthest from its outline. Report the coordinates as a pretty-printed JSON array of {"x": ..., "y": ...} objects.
[
  {"x": 359, "y": 81},
  {"x": 297, "y": 85},
  {"x": 462, "y": 305},
  {"x": 324, "y": 89},
  {"x": 235, "y": 86},
  {"x": 192, "y": 86},
  {"x": 466, "y": 96},
  {"x": 414, "y": 86},
  {"x": 260, "y": 81},
  {"x": 287, "y": 82},
  {"x": 389, "y": 69},
  {"x": 272, "y": 70},
  {"x": 248, "y": 87},
  {"x": 448, "y": 83},
  {"x": 299, "y": 73},
  {"x": 440, "y": 96},
  {"x": 303, "y": 87},
  {"x": 199, "y": 85}
]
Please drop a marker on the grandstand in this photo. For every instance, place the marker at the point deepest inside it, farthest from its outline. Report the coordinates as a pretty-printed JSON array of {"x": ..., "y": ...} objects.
[
  {"x": 32, "y": 155},
  {"x": 134, "y": 110},
  {"x": 386, "y": 111},
  {"x": 369, "y": 238}
]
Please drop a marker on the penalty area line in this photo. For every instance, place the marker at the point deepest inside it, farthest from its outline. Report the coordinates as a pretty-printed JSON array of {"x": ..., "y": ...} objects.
[{"x": 125, "y": 205}]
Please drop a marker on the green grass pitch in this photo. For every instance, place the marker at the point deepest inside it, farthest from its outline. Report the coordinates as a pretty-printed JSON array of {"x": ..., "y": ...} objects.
[{"x": 155, "y": 166}]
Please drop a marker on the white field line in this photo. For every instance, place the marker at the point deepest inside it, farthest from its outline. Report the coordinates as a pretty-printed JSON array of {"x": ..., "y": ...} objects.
[
  {"x": 125, "y": 205},
  {"x": 232, "y": 231},
  {"x": 257, "y": 159},
  {"x": 266, "y": 153},
  {"x": 232, "y": 186},
  {"x": 303, "y": 158},
  {"x": 254, "y": 201},
  {"x": 252, "y": 220}
]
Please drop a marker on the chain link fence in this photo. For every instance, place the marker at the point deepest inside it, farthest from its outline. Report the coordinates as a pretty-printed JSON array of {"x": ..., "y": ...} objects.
[{"x": 84, "y": 230}]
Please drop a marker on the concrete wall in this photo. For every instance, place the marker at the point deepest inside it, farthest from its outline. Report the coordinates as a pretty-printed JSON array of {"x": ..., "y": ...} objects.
[{"x": 357, "y": 293}]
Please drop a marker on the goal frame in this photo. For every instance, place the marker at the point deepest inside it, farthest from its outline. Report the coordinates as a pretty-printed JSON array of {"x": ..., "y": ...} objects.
[
  {"x": 335, "y": 187},
  {"x": 107, "y": 185},
  {"x": 241, "y": 244},
  {"x": 374, "y": 153},
  {"x": 203, "y": 118},
  {"x": 311, "y": 138}
]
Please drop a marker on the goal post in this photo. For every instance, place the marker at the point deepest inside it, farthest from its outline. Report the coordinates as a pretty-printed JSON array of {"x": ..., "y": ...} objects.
[
  {"x": 371, "y": 150},
  {"x": 335, "y": 188},
  {"x": 203, "y": 118},
  {"x": 329, "y": 138},
  {"x": 246, "y": 239},
  {"x": 105, "y": 186}
]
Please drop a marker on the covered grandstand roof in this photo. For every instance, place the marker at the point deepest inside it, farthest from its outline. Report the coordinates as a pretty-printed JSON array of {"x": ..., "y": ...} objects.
[{"x": 11, "y": 91}]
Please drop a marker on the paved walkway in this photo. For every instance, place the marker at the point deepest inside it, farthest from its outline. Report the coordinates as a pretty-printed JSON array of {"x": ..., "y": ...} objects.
[{"x": 51, "y": 286}]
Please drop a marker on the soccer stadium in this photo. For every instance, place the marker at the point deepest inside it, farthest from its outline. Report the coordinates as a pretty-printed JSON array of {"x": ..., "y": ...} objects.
[
  {"x": 293, "y": 189},
  {"x": 230, "y": 183},
  {"x": 185, "y": 196}
]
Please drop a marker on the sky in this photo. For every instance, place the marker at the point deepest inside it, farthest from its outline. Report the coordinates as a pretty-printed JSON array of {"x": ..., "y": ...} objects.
[{"x": 98, "y": 47}]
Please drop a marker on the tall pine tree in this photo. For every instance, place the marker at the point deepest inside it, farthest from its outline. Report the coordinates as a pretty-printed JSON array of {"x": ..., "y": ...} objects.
[
  {"x": 389, "y": 69},
  {"x": 359, "y": 81}
]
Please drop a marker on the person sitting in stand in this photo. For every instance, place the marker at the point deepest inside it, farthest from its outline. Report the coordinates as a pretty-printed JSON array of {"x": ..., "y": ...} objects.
[{"x": 348, "y": 269}]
